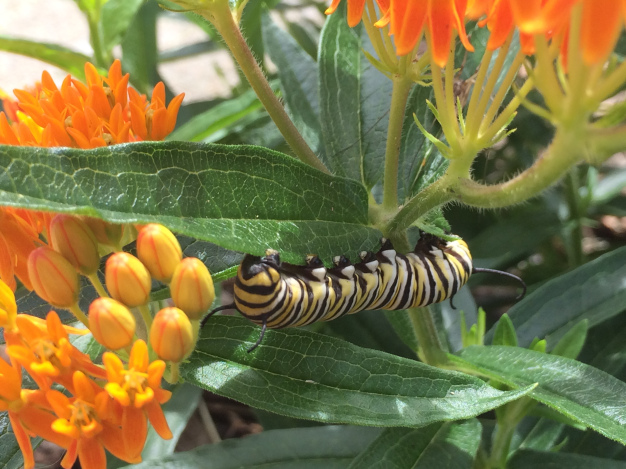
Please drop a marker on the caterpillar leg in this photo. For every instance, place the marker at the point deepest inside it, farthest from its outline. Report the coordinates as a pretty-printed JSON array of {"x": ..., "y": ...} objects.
[{"x": 258, "y": 342}]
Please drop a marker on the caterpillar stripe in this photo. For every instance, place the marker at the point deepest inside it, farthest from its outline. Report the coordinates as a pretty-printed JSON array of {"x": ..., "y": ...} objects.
[{"x": 276, "y": 294}]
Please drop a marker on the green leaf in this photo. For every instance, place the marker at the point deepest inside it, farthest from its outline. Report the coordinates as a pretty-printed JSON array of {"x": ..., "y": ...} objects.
[
  {"x": 116, "y": 18},
  {"x": 573, "y": 341},
  {"x": 370, "y": 329},
  {"x": 178, "y": 410},
  {"x": 451, "y": 317},
  {"x": 139, "y": 48},
  {"x": 298, "y": 78},
  {"x": 595, "y": 291},
  {"x": 541, "y": 436},
  {"x": 609, "y": 187},
  {"x": 221, "y": 262},
  {"x": 66, "y": 59},
  {"x": 505, "y": 332},
  {"x": 579, "y": 391},
  {"x": 339, "y": 83},
  {"x": 211, "y": 125},
  {"x": 306, "y": 375},
  {"x": 421, "y": 164},
  {"x": 528, "y": 459},
  {"x": 437, "y": 446},
  {"x": 330, "y": 447},
  {"x": 243, "y": 198}
]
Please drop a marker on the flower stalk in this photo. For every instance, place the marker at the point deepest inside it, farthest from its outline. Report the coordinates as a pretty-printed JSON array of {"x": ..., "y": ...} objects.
[{"x": 220, "y": 16}]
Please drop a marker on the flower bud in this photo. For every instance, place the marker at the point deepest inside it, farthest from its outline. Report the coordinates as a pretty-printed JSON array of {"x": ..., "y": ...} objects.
[
  {"x": 171, "y": 335},
  {"x": 127, "y": 279},
  {"x": 54, "y": 279},
  {"x": 192, "y": 287},
  {"x": 159, "y": 250},
  {"x": 74, "y": 240},
  {"x": 111, "y": 323},
  {"x": 105, "y": 232}
]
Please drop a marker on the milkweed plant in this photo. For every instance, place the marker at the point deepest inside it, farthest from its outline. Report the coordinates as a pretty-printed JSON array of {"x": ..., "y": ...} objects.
[{"x": 500, "y": 121}]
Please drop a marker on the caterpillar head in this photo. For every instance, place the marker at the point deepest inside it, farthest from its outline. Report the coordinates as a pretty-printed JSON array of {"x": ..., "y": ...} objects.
[{"x": 253, "y": 266}]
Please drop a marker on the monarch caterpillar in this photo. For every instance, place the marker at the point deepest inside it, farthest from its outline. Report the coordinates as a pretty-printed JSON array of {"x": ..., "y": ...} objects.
[{"x": 276, "y": 294}]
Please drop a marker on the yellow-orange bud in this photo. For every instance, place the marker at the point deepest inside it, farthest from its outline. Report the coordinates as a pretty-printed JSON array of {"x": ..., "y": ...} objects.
[
  {"x": 105, "y": 232},
  {"x": 127, "y": 279},
  {"x": 53, "y": 277},
  {"x": 74, "y": 240},
  {"x": 192, "y": 287},
  {"x": 159, "y": 250},
  {"x": 111, "y": 323},
  {"x": 171, "y": 335}
]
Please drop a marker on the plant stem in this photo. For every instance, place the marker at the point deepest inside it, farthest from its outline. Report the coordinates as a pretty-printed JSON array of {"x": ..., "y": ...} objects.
[
  {"x": 97, "y": 284},
  {"x": 424, "y": 328},
  {"x": 223, "y": 21},
  {"x": 401, "y": 87},
  {"x": 78, "y": 313},
  {"x": 147, "y": 317},
  {"x": 574, "y": 219}
]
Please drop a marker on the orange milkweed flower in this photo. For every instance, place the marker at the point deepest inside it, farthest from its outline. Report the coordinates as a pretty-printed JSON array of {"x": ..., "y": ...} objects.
[
  {"x": 408, "y": 18},
  {"x": 137, "y": 389},
  {"x": 19, "y": 236},
  {"x": 77, "y": 115},
  {"x": 85, "y": 419},
  {"x": 28, "y": 411},
  {"x": 47, "y": 354}
]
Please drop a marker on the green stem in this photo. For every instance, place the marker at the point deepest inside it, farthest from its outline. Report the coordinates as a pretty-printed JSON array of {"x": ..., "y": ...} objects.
[
  {"x": 173, "y": 376},
  {"x": 222, "y": 19},
  {"x": 97, "y": 284},
  {"x": 574, "y": 228},
  {"x": 433, "y": 196},
  {"x": 146, "y": 315},
  {"x": 424, "y": 328},
  {"x": 95, "y": 36},
  {"x": 76, "y": 311},
  {"x": 401, "y": 87},
  {"x": 508, "y": 418}
]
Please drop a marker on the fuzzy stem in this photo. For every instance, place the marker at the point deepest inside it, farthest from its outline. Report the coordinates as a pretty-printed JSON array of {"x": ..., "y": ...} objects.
[
  {"x": 97, "y": 284},
  {"x": 222, "y": 19},
  {"x": 78, "y": 313},
  {"x": 147, "y": 317},
  {"x": 401, "y": 87}
]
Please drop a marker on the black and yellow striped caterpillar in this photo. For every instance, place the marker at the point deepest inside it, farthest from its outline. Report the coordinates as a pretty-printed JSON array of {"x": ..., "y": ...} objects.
[{"x": 276, "y": 294}]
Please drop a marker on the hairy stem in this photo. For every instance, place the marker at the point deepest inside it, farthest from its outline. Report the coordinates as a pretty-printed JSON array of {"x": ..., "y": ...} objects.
[
  {"x": 401, "y": 87},
  {"x": 223, "y": 21}
]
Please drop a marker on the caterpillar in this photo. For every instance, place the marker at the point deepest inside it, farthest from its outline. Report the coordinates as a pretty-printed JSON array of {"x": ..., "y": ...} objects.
[{"x": 275, "y": 294}]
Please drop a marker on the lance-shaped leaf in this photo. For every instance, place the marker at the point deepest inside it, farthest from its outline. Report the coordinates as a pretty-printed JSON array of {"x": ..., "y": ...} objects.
[
  {"x": 330, "y": 447},
  {"x": 298, "y": 81},
  {"x": 529, "y": 459},
  {"x": 437, "y": 446},
  {"x": 596, "y": 291},
  {"x": 66, "y": 59},
  {"x": 579, "y": 391},
  {"x": 243, "y": 198},
  {"x": 306, "y": 375}
]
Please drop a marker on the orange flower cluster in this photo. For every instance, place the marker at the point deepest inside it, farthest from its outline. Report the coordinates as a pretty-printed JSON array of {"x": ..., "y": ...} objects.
[
  {"x": 601, "y": 23},
  {"x": 108, "y": 408},
  {"x": 102, "y": 112}
]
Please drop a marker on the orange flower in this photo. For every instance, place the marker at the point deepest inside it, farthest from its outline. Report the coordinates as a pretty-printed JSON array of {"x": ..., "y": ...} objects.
[
  {"x": 19, "y": 236},
  {"x": 47, "y": 353},
  {"x": 78, "y": 115},
  {"x": 138, "y": 390},
  {"x": 407, "y": 19},
  {"x": 28, "y": 412},
  {"x": 85, "y": 420}
]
